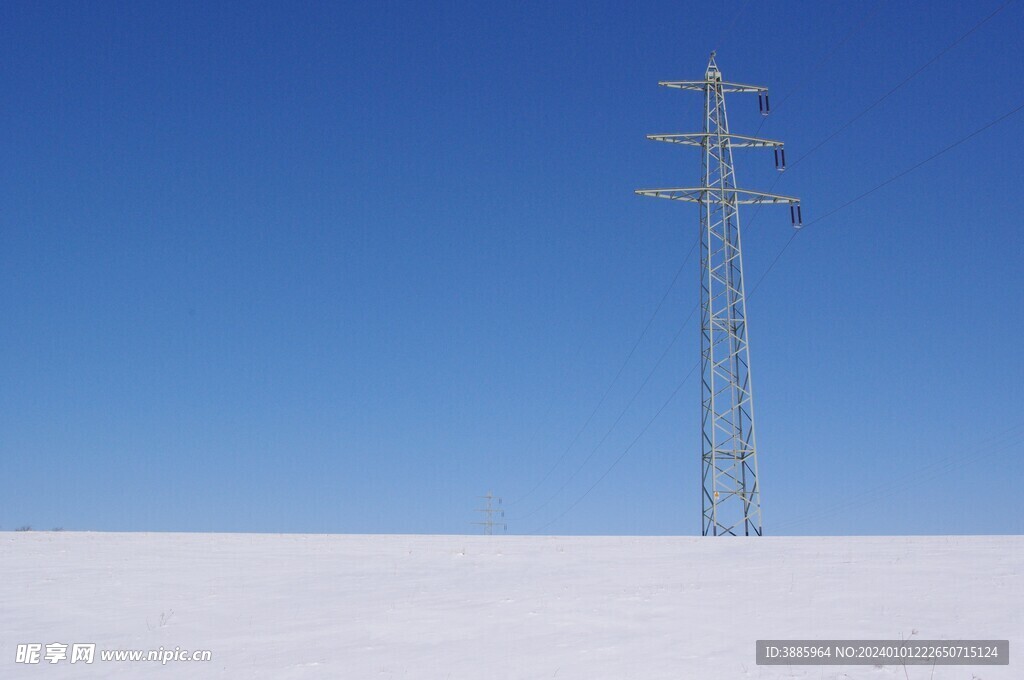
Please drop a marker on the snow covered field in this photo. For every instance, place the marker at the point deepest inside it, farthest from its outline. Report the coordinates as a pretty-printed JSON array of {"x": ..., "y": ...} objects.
[{"x": 478, "y": 607}]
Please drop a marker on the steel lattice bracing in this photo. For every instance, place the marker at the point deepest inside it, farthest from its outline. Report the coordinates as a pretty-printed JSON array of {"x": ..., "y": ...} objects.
[
  {"x": 491, "y": 512},
  {"x": 731, "y": 495}
]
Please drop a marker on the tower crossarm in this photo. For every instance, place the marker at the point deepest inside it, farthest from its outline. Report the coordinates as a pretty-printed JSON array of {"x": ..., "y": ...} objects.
[
  {"x": 700, "y": 138},
  {"x": 715, "y": 194},
  {"x": 701, "y": 85}
]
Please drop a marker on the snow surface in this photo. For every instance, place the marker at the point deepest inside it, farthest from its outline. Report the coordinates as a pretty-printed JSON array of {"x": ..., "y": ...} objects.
[{"x": 479, "y": 607}]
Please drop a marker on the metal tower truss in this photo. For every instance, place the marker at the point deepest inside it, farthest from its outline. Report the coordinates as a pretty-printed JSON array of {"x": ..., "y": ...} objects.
[
  {"x": 491, "y": 512},
  {"x": 731, "y": 496}
]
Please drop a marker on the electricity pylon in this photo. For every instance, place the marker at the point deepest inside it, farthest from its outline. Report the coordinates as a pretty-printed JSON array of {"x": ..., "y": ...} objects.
[
  {"x": 731, "y": 497},
  {"x": 489, "y": 523}
]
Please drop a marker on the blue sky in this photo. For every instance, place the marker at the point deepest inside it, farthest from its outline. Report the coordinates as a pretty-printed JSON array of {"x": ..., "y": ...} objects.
[{"x": 343, "y": 267}]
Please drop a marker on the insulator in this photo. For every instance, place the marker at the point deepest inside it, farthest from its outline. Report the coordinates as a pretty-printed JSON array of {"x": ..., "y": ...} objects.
[
  {"x": 760, "y": 102},
  {"x": 792, "y": 215},
  {"x": 767, "y": 104},
  {"x": 781, "y": 166},
  {"x": 777, "y": 167},
  {"x": 799, "y": 215}
]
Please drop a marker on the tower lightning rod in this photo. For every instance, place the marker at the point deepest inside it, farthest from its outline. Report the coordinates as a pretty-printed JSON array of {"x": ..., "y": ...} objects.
[{"x": 731, "y": 494}]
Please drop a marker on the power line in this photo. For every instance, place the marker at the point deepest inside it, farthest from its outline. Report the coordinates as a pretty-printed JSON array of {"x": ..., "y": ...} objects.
[
  {"x": 553, "y": 398},
  {"x": 622, "y": 413},
  {"x": 615, "y": 379},
  {"x": 901, "y": 83},
  {"x": 624, "y": 452},
  {"x": 886, "y": 183},
  {"x": 731, "y": 25},
  {"x": 878, "y": 101},
  {"x": 828, "y": 57},
  {"x": 918, "y": 165}
]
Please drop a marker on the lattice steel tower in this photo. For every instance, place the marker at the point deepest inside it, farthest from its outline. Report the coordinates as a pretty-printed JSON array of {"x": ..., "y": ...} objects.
[
  {"x": 731, "y": 497},
  {"x": 491, "y": 512}
]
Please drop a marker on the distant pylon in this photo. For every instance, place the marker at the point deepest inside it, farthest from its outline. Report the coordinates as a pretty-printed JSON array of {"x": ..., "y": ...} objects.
[
  {"x": 731, "y": 495},
  {"x": 491, "y": 511}
]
